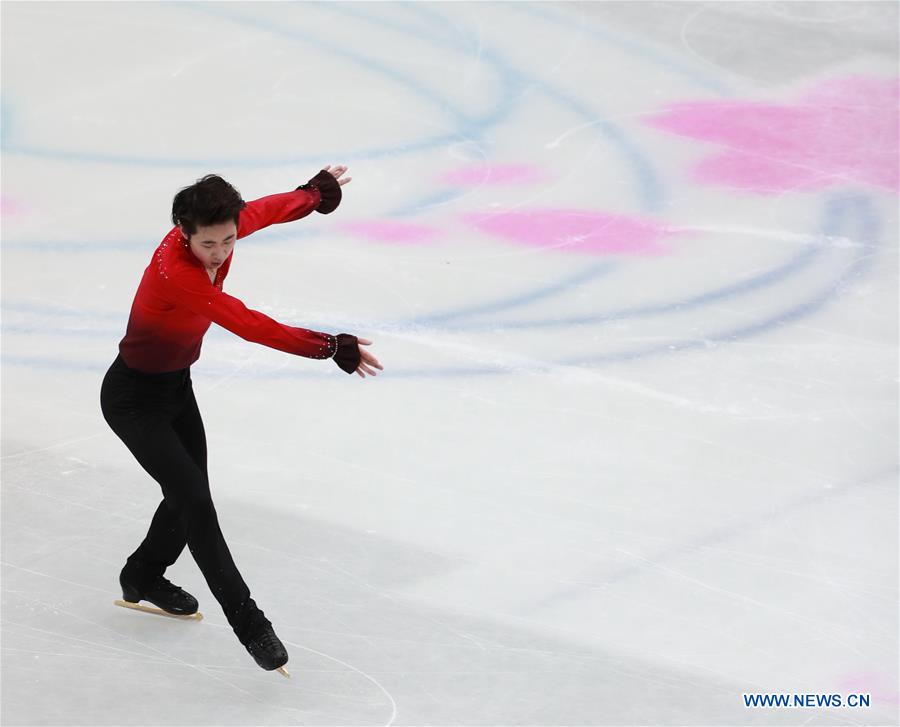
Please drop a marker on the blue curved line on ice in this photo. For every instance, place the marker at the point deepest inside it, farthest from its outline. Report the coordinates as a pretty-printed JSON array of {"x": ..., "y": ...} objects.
[
  {"x": 575, "y": 279},
  {"x": 467, "y": 126},
  {"x": 839, "y": 213},
  {"x": 836, "y": 218},
  {"x": 55, "y": 312},
  {"x": 649, "y": 190},
  {"x": 798, "y": 262},
  {"x": 578, "y": 278},
  {"x": 437, "y": 320},
  {"x": 638, "y": 49}
]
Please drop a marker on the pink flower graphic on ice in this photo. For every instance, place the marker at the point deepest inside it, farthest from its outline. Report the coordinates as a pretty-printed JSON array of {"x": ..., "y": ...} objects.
[
  {"x": 843, "y": 131},
  {"x": 10, "y": 207},
  {"x": 574, "y": 230}
]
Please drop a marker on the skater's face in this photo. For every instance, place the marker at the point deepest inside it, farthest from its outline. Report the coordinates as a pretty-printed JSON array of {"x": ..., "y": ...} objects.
[{"x": 212, "y": 245}]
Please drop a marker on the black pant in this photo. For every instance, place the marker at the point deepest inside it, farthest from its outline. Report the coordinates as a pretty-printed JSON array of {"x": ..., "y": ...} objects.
[{"x": 157, "y": 418}]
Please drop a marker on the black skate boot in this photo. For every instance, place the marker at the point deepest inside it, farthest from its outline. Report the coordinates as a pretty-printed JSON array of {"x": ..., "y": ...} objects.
[
  {"x": 266, "y": 648},
  {"x": 161, "y": 593}
]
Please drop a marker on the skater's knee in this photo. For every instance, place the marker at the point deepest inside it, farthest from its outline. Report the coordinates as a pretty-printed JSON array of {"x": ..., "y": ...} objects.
[
  {"x": 189, "y": 498},
  {"x": 197, "y": 499}
]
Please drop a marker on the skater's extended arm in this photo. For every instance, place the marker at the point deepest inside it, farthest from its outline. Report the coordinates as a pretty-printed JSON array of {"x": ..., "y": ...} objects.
[
  {"x": 189, "y": 287},
  {"x": 322, "y": 193}
]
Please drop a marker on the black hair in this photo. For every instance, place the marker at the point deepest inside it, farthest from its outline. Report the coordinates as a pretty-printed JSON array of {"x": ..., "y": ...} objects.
[{"x": 209, "y": 201}]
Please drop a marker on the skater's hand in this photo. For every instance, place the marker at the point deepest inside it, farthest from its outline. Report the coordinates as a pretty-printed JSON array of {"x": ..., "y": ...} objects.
[
  {"x": 368, "y": 363},
  {"x": 337, "y": 172}
]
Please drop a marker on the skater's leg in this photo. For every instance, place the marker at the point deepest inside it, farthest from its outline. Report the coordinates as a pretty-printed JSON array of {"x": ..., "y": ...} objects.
[
  {"x": 134, "y": 417},
  {"x": 188, "y": 425},
  {"x": 167, "y": 533},
  {"x": 246, "y": 617},
  {"x": 187, "y": 498},
  {"x": 147, "y": 431},
  {"x": 163, "y": 544}
]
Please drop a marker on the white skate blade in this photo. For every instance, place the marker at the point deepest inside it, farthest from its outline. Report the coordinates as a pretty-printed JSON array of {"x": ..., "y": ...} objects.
[
  {"x": 149, "y": 609},
  {"x": 284, "y": 672}
]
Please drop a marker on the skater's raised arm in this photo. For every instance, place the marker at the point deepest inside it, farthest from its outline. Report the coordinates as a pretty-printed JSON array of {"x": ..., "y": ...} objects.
[
  {"x": 328, "y": 182},
  {"x": 274, "y": 209},
  {"x": 322, "y": 193}
]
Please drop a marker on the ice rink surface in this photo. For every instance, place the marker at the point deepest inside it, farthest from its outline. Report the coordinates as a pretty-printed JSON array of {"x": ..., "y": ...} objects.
[{"x": 631, "y": 270}]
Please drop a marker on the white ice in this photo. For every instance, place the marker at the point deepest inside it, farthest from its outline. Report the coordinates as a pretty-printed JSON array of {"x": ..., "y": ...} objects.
[{"x": 586, "y": 489}]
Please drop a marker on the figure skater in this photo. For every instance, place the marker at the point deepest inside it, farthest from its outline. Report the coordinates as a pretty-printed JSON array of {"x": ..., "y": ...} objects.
[{"x": 147, "y": 396}]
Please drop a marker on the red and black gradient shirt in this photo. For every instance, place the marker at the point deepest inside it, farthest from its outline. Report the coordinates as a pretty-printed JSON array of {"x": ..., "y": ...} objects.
[{"x": 176, "y": 302}]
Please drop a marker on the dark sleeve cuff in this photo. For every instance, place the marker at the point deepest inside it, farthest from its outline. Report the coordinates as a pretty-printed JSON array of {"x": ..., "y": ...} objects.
[
  {"x": 347, "y": 355},
  {"x": 329, "y": 190}
]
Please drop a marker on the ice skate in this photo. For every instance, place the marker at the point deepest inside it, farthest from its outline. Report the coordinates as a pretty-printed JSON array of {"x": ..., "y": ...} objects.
[
  {"x": 268, "y": 651},
  {"x": 170, "y": 599}
]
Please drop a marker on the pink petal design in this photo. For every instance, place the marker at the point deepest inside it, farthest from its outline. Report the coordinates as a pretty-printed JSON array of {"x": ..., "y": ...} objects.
[
  {"x": 842, "y": 131},
  {"x": 482, "y": 174},
  {"x": 746, "y": 171},
  {"x": 9, "y": 207},
  {"x": 402, "y": 233},
  {"x": 573, "y": 230}
]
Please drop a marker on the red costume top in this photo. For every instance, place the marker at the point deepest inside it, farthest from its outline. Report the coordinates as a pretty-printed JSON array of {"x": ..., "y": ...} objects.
[{"x": 175, "y": 302}]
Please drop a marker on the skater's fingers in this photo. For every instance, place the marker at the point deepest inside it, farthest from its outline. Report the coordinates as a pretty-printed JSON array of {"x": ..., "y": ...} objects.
[
  {"x": 370, "y": 360},
  {"x": 364, "y": 341}
]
